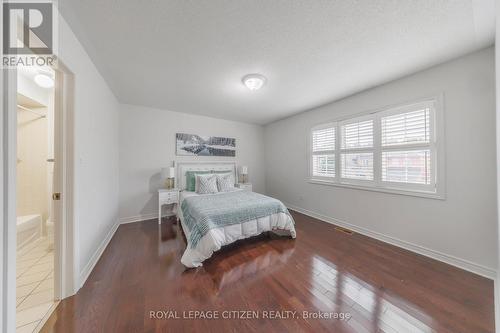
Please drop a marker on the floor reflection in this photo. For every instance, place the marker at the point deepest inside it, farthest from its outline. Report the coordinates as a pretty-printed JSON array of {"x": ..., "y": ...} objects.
[
  {"x": 168, "y": 238},
  {"x": 383, "y": 289},
  {"x": 333, "y": 287},
  {"x": 346, "y": 291},
  {"x": 239, "y": 264},
  {"x": 251, "y": 266},
  {"x": 168, "y": 231}
]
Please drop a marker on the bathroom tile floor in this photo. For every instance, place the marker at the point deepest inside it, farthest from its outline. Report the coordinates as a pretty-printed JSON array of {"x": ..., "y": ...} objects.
[{"x": 34, "y": 285}]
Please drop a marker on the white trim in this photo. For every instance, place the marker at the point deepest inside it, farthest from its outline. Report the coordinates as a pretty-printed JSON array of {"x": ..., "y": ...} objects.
[
  {"x": 437, "y": 188},
  {"x": 487, "y": 272},
  {"x": 324, "y": 125},
  {"x": 65, "y": 272},
  {"x": 9, "y": 158},
  {"x": 139, "y": 218},
  {"x": 142, "y": 217},
  {"x": 104, "y": 244},
  {"x": 394, "y": 190},
  {"x": 66, "y": 250},
  {"x": 324, "y": 152},
  {"x": 85, "y": 273}
]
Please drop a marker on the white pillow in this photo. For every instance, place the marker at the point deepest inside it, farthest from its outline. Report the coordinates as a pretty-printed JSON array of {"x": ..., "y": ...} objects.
[
  {"x": 206, "y": 184},
  {"x": 225, "y": 182}
]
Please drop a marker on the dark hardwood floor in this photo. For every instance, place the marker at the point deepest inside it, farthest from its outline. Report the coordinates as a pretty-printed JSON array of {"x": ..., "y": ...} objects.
[{"x": 378, "y": 287}]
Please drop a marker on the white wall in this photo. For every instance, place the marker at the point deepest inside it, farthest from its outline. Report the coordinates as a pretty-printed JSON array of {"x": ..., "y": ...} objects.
[
  {"x": 147, "y": 143},
  {"x": 32, "y": 166},
  {"x": 27, "y": 87},
  {"x": 95, "y": 150},
  {"x": 34, "y": 138},
  {"x": 463, "y": 225}
]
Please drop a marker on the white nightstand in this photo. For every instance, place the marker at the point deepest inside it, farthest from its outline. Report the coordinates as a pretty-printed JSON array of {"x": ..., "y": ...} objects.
[
  {"x": 245, "y": 186},
  {"x": 168, "y": 197}
]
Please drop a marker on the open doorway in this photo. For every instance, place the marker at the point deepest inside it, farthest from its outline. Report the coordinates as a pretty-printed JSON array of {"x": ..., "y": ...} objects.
[{"x": 35, "y": 259}]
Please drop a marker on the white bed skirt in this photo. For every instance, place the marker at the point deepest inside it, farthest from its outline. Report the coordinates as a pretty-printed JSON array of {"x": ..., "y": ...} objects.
[{"x": 218, "y": 237}]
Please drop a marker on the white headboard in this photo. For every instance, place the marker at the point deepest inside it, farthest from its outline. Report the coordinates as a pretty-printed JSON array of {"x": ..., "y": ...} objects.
[{"x": 182, "y": 167}]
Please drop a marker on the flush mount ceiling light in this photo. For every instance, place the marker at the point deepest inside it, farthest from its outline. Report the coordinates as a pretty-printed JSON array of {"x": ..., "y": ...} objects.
[
  {"x": 44, "y": 80},
  {"x": 254, "y": 81}
]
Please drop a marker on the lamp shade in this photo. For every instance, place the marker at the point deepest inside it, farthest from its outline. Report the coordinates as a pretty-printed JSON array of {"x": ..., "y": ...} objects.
[
  {"x": 168, "y": 172},
  {"x": 244, "y": 170}
]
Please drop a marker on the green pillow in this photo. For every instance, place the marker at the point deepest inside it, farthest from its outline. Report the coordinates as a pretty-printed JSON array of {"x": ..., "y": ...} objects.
[{"x": 191, "y": 178}]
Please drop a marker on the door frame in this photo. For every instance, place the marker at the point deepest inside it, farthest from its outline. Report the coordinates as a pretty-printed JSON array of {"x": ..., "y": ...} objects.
[
  {"x": 65, "y": 265},
  {"x": 8, "y": 121},
  {"x": 64, "y": 232}
]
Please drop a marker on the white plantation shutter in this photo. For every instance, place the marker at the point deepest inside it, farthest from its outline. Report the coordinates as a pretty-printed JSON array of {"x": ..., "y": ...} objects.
[
  {"x": 324, "y": 165},
  {"x": 407, "y": 166},
  {"x": 357, "y": 166},
  {"x": 407, "y": 148},
  {"x": 323, "y": 151},
  {"x": 406, "y": 128},
  {"x": 357, "y": 135},
  {"x": 393, "y": 150},
  {"x": 357, "y": 149},
  {"x": 323, "y": 139}
]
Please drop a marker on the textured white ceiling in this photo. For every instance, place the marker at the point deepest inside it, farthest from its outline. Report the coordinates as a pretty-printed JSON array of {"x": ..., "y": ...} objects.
[{"x": 190, "y": 56}]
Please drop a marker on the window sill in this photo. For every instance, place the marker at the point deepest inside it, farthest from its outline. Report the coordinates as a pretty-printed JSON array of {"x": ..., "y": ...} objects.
[{"x": 412, "y": 193}]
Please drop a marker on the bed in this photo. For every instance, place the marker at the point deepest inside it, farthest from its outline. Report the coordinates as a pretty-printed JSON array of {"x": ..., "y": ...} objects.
[{"x": 211, "y": 221}]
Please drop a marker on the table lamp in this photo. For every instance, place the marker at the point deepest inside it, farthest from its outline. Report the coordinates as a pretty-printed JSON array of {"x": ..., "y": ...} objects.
[
  {"x": 244, "y": 174},
  {"x": 168, "y": 174}
]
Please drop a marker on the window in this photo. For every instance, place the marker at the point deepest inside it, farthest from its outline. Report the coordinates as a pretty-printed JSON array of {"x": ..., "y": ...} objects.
[
  {"x": 357, "y": 135},
  {"x": 393, "y": 150},
  {"x": 357, "y": 166},
  {"x": 407, "y": 149},
  {"x": 357, "y": 149},
  {"x": 406, "y": 166},
  {"x": 323, "y": 151}
]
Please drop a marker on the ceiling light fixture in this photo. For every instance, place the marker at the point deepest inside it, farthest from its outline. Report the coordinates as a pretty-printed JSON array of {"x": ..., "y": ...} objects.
[
  {"x": 44, "y": 81},
  {"x": 254, "y": 81}
]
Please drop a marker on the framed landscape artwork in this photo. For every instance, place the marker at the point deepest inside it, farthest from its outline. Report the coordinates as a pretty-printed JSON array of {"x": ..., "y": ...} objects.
[{"x": 195, "y": 145}]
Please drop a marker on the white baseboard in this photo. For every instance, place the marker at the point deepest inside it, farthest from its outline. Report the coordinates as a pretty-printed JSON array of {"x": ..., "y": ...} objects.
[
  {"x": 454, "y": 261},
  {"x": 137, "y": 218},
  {"x": 84, "y": 274}
]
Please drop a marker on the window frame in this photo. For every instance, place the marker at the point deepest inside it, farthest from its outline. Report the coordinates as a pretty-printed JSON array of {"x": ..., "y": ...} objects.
[
  {"x": 361, "y": 150},
  {"x": 333, "y": 152},
  {"x": 435, "y": 190}
]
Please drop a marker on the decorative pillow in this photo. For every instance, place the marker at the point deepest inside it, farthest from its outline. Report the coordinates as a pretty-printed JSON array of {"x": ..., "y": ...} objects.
[
  {"x": 206, "y": 184},
  {"x": 191, "y": 178},
  {"x": 225, "y": 182}
]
